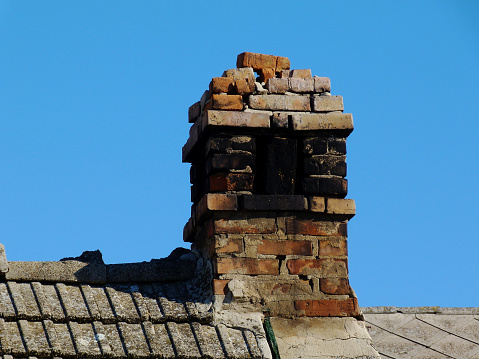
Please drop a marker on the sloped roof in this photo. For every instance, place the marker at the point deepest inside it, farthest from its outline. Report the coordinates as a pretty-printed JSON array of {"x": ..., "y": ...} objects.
[
  {"x": 74, "y": 308},
  {"x": 424, "y": 332}
]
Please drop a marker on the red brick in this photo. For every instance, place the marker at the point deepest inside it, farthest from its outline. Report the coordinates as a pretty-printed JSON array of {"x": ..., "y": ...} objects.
[
  {"x": 335, "y": 285},
  {"x": 303, "y": 266},
  {"x": 244, "y": 86},
  {"x": 225, "y": 102},
  {"x": 328, "y": 307},
  {"x": 315, "y": 228},
  {"x": 282, "y": 63},
  {"x": 216, "y": 202},
  {"x": 249, "y": 266},
  {"x": 220, "y": 286},
  {"x": 252, "y": 225},
  {"x": 222, "y": 182},
  {"x": 333, "y": 247},
  {"x": 222, "y": 84},
  {"x": 256, "y": 61},
  {"x": 291, "y": 247},
  {"x": 194, "y": 112}
]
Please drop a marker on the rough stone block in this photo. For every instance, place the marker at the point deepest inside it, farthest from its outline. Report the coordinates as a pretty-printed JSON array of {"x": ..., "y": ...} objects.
[
  {"x": 326, "y": 186},
  {"x": 274, "y": 203},
  {"x": 240, "y": 74},
  {"x": 331, "y": 247},
  {"x": 320, "y": 121},
  {"x": 300, "y": 85},
  {"x": 216, "y": 202},
  {"x": 328, "y": 307},
  {"x": 235, "y": 119},
  {"x": 317, "y": 204},
  {"x": 341, "y": 206},
  {"x": 251, "y": 266},
  {"x": 315, "y": 228},
  {"x": 322, "y": 84},
  {"x": 328, "y": 103},
  {"x": 335, "y": 285},
  {"x": 281, "y": 103},
  {"x": 225, "y": 102},
  {"x": 244, "y": 86},
  {"x": 277, "y": 86},
  {"x": 221, "y": 162},
  {"x": 222, "y": 182},
  {"x": 222, "y": 84},
  {"x": 325, "y": 165},
  {"x": 289, "y": 247},
  {"x": 194, "y": 112},
  {"x": 235, "y": 225}
]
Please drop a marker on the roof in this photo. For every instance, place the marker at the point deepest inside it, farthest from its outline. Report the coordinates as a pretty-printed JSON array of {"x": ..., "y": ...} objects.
[
  {"x": 80, "y": 307},
  {"x": 424, "y": 332}
]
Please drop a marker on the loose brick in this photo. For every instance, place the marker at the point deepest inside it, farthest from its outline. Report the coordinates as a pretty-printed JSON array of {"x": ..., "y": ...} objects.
[
  {"x": 244, "y": 225},
  {"x": 301, "y": 74},
  {"x": 322, "y": 84},
  {"x": 320, "y": 121},
  {"x": 251, "y": 266},
  {"x": 221, "y": 162},
  {"x": 304, "y": 266},
  {"x": 326, "y": 186},
  {"x": 328, "y": 103},
  {"x": 265, "y": 75},
  {"x": 235, "y": 119},
  {"x": 317, "y": 204},
  {"x": 281, "y": 102},
  {"x": 240, "y": 74},
  {"x": 282, "y": 63},
  {"x": 325, "y": 165},
  {"x": 225, "y": 102},
  {"x": 274, "y": 203},
  {"x": 222, "y": 182},
  {"x": 216, "y": 202},
  {"x": 290, "y": 247},
  {"x": 277, "y": 86},
  {"x": 261, "y": 61},
  {"x": 220, "y": 286},
  {"x": 222, "y": 84},
  {"x": 341, "y": 206},
  {"x": 334, "y": 285},
  {"x": 330, "y": 247},
  {"x": 300, "y": 85},
  {"x": 244, "y": 86},
  {"x": 315, "y": 228},
  {"x": 328, "y": 307},
  {"x": 194, "y": 112}
]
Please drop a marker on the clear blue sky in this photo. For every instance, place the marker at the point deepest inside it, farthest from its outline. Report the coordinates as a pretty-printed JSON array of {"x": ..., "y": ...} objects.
[{"x": 93, "y": 114}]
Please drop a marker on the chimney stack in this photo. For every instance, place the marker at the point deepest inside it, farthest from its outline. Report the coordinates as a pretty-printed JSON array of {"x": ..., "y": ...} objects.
[{"x": 267, "y": 148}]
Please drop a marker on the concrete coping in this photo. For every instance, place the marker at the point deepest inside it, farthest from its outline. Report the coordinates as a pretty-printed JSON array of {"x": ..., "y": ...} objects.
[{"x": 422, "y": 310}]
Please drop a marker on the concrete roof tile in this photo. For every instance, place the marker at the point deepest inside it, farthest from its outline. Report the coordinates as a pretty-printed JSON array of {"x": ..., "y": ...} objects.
[{"x": 455, "y": 347}]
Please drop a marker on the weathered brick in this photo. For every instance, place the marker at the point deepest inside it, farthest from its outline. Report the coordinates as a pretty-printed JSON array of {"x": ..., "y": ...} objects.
[
  {"x": 328, "y": 103},
  {"x": 289, "y": 247},
  {"x": 322, "y": 84},
  {"x": 194, "y": 112},
  {"x": 265, "y": 75},
  {"x": 334, "y": 285},
  {"x": 304, "y": 266},
  {"x": 328, "y": 307},
  {"x": 221, "y": 162},
  {"x": 220, "y": 286},
  {"x": 325, "y": 165},
  {"x": 341, "y": 206},
  {"x": 251, "y": 266},
  {"x": 231, "y": 225},
  {"x": 277, "y": 86},
  {"x": 315, "y": 146},
  {"x": 281, "y": 164},
  {"x": 244, "y": 86},
  {"x": 317, "y": 204},
  {"x": 322, "y": 121},
  {"x": 216, "y": 202},
  {"x": 315, "y": 228},
  {"x": 222, "y": 182},
  {"x": 261, "y": 61},
  {"x": 301, "y": 74},
  {"x": 326, "y": 186},
  {"x": 229, "y": 144},
  {"x": 235, "y": 119},
  {"x": 280, "y": 120},
  {"x": 337, "y": 146},
  {"x": 333, "y": 247},
  {"x": 274, "y": 203},
  {"x": 240, "y": 74},
  {"x": 300, "y": 85},
  {"x": 280, "y": 102},
  {"x": 222, "y": 84},
  {"x": 282, "y": 63},
  {"x": 187, "y": 150},
  {"x": 228, "y": 245},
  {"x": 225, "y": 102},
  {"x": 334, "y": 268}
]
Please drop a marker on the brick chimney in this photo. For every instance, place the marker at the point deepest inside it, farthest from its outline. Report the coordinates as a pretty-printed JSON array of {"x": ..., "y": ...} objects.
[{"x": 267, "y": 148}]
